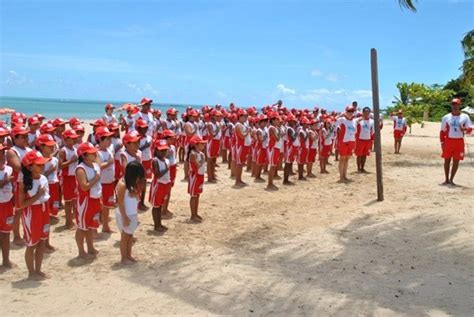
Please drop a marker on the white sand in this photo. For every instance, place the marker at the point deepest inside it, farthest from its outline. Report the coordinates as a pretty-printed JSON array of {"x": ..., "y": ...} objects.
[{"x": 319, "y": 248}]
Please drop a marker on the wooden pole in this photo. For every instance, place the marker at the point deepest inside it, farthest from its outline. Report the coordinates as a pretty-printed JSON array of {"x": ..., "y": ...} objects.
[{"x": 376, "y": 105}]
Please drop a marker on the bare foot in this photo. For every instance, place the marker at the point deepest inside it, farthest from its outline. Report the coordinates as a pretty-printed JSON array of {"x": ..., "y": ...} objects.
[
  {"x": 241, "y": 184},
  {"x": 311, "y": 175},
  {"x": 277, "y": 177},
  {"x": 259, "y": 180},
  {"x": 126, "y": 261},
  {"x": 18, "y": 241},
  {"x": 364, "y": 171},
  {"x": 93, "y": 252},
  {"x": 8, "y": 264},
  {"x": 49, "y": 249},
  {"x": 212, "y": 181},
  {"x": 200, "y": 218},
  {"x": 71, "y": 226},
  {"x": 43, "y": 275},
  {"x": 290, "y": 183},
  {"x": 160, "y": 228},
  {"x": 445, "y": 183},
  {"x": 195, "y": 219},
  {"x": 167, "y": 215},
  {"x": 131, "y": 258},
  {"x": 143, "y": 207},
  {"x": 302, "y": 178},
  {"x": 272, "y": 187}
]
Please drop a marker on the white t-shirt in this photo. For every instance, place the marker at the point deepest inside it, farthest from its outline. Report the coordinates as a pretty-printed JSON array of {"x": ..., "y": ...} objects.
[
  {"x": 366, "y": 129},
  {"x": 37, "y": 183},
  {"x": 96, "y": 190},
  {"x": 452, "y": 125},
  {"x": 162, "y": 165},
  {"x": 348, "y": 127},
  {"x": 107, "y": 175},
  {"x": 53, "y": 176},
  {"x": 399, "y": 124},
  {"x": 6, "y": 192}
]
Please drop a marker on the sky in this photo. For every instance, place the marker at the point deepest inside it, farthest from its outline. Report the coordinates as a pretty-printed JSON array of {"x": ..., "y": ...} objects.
[{"x": 206, "y": 52}]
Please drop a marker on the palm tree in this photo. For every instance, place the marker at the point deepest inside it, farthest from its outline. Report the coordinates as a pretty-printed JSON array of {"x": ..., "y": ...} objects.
[
  {"x": 468, "y": 64},
  {"x": 408, "y": 4}
]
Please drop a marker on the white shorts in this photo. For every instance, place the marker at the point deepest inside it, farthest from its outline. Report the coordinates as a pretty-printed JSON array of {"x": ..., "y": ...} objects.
[{"x": 130, "y": 229}]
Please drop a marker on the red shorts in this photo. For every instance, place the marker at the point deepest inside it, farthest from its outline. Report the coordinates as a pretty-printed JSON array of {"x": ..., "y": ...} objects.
[
  {"x": 16, "y": 197},
  {"x": 346, "y": 148},
  {"x": 241, "y": 153},
  {"x": 87, "y": 213},
  {"x": 54, "y": 199},
  {"x": 226, "y": 144},
  {"x": 325, "y": 151},
  {"x": 312, "y": 155},
  {"x": 398, "y": 134},
  {"x": 195, "y": 184},
  {"x": 108, "y": 195},
  {"x": 6, "y": 216},
  {"x": 69, "y": 188},
  {"x": 273, "y": 156},
  {"x": 213, "y": 147},
  {"x": 302, "y": 155},
  {"x": 291, "y": 152},
  {"x": 173, "y": 170},
  {"x": 35, "y": 221},
  {"x": 262, "y": 157},
  {"x": 453, "y": 148},
  {"x": 363, "y": 147},
  {"x": 159, "y": 193},
  {"x": 147, "y": 167},
  {"x": 118, "y": 169}
]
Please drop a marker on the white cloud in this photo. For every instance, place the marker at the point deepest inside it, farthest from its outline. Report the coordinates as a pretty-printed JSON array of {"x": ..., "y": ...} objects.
[
  {"x": 14, "y": 79},
  {"x": 363, "y": 93},
  {"x": 143, "y": 89},
  {"x": 332, "y": 77},
  {"x": 285, "y": 90},
  {"x": 331, "y": 98},
  {"x": 316, "y": 73}
]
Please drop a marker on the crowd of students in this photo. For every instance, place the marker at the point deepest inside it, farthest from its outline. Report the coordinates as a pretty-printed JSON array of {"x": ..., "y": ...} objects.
[{"x": 46, "y": 166}]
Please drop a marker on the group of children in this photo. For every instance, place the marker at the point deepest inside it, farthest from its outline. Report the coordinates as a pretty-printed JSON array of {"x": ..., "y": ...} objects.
[{"x": 48, "y": 166}]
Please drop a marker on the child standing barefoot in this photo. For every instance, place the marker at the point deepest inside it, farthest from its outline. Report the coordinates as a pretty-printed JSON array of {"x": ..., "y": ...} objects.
[
  {"x": 6, "y": 207},
  {"x": 170, "y": 138},
  {"x": 161, "y": 184},
  {"x": 197, "y": 168},
  {"x": 88, "y": 200},
  {"x": 33, "y": 197},
  {"x": 128, "y": 195}
]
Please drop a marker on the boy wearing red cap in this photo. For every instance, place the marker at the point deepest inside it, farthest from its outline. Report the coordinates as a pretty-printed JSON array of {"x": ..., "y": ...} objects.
[
  {"x": 197, "y": 168},
  {"x": 33, "y": 125},
  {"x": 364, "y": 138},
  {"x": 170, "y": 138},
  {"x": 88, "y": 204},
  {"x": 6, "y": 207},
  {"x": 399, "y": 129},
  {"x": 291, "y": 148},
  {"x": 274, "y": 148},
  {"x": 454, "y": 126},
  {"x": 302, "y": 156},
  {"x": 60, "y": 126},
  {"x": 109, "y": 116},
  {"x": 242, "y": 146},
  {"x": 214, "y": 132},
  {"x": 346, "y": 141},
  {"x": 161, "y": 184},
  {"x": 313, "y": 139},
  {"x": 191, "y": 129},
  {"x": 33, "y": 194}
]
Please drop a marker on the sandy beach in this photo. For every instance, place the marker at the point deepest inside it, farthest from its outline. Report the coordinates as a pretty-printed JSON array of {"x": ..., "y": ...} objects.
[{"x": 318, "y": 248}]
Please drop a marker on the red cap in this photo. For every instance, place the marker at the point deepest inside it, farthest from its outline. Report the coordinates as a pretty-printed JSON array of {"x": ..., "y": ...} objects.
[
  {"x": 216, "y": 113},
  {"x": 75, "y": 121},
  {"x": 161, "y": 145},
  {"x": 17, "y": 121},
  {"x": 131, "y": 137},
  {"x": 109, "y": 106},
  {"x": 145, "y": 101},
  {"x": 19, "y": 130},
  {"x": 141, "y": 123},
  {"x": 157, "y": 111},
  {"x": 168, "y": 133},
  {"x": 34, "y": 157},
  {"x": 290, "y": 117},
  {"x": 272, "y": 115},
  {"x": 18, "y": 115},
  {"x": 171, "y": 111},
  {"x": 242, "y": 112},
  {"x": 103, "y": 132},
  {"x": 304, "y": 120},
  {"x": 193, "y": 113},
  {"x": 456, "y": 101},
  {"x": 400, "y": 111},
  {"x": 58, "y": 121},
  {"x": 86, "y": 147},
  {"x": 128, "y": 107},
  {"x": 350, "y": 108},
  {"x": 40, "y": 116},
  {"x": 33, "y": 120},
  {"x": 70, "y": 134},
  {"x": 45, "y": 139},
  {"x": 99, "y": 123},
  {"x": 262, "y": 117},
  {"x": 113, "y": 126},
  {"x": 47, "y": 127},
  {"x": 195, "y": 140},
  {"x": 79, "y": 127},
  {"x": 4, "y": 131}
]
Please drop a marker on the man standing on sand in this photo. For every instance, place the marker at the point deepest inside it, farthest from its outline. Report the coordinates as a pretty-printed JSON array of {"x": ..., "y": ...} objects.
[
  {"x": 399, "y": 129},
  {"x": 453, "y": 127},
  {"x": 145, "y": 114}
]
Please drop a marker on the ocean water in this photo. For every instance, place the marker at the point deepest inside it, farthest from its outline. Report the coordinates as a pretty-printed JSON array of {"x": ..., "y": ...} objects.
[{"x": 64, "y": 108}]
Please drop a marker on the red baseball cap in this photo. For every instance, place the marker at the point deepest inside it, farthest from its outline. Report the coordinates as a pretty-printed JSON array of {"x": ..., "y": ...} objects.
[
  {"x": 161, "y": 145},
  {"x": 290, "y": 117},
  {"x": 171, "y": 111},
  {"x": 70, "y": 134},
  {"x": 168, "y": 133},
  {"x": 242, "y": 112},
  {"x": 131, "y": 137},
  {"x": 47, "y": 127},
  {"x": 157, "y": 111},
  {"x": 141, "y": 123},
  {"x": 196, "y": 140},
  {"x": 58, "y": 121},
  {"x": 456, "y": 101},
  {"x": 99, "y": 123},
  {"x": 45, "y": 139},
  {"x": 19, "y": 130},
  {"x": 79, "y": 127},
  {"x": 18, "y": 115},
  {"x": 86, "y": 147},
  {"x": 33, "y": 120},
  {"x": 75, "y": 121},
  {"x": 128, "y": 107},
  {"x": 304, "y": 120},
  {"x": 103, "y": 132},
  {"x": 109, "y": 106},
  {"x": 113, "y": 126},
  {"x": 34, "y": 157},
  {"x": 145, "y": 101},
  {"x": 4, "y": 131},
  {"x": 17, "y": 121},
  {"x": 40, "y": 116},
  {"x": 350, "y": 108},
  {"x": 216, "y": 113},
  {"x": 193, "y": 113}
]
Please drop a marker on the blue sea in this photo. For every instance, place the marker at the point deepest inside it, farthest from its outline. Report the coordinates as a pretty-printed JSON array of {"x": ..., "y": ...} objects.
[{"x": 67, "y": 108}]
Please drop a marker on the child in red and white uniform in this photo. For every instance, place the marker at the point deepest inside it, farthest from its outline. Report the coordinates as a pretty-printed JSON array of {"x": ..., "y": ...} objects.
[
  {"x": 364, "y": 139},
  {"x": 107, "y": 175},
  {"x": 197, "y": 168},
  {"x": 292, "y": 145},
  {"x": 302, "y": 156},
  {"x": 261, "y": 147},
  {"x": 33, "y": 125},
  {"x": 275, "y": 144},
  {"x": 313, "y": 139},
  {"x": 191, "y": 129},
  {"x": 5, "y": 139},
  {"x": 346, "y": 141},
  {"x": 170, "y": 138},
  {"x": 129, "y": 189},
  {"x": 60, "y": 126},
  {"x": 88, "y": 205},
  {"x": 45, "y": 144},
  {"x": 6, "y": 207},
  {"x": 68, "y": 162},
  {"x": 243, "y": 141},
  {"x": 161, "y": 184},
  {"x": 145, "y": 146},
  {"x": 116, "y": 148},
  {"x": 326, "y": 140},
  {"x": 399, "y": 129},
  {"x": 454, "y": 126},
  {"x": 33, "y": 194},
  {"x": 214, "y": 132},
  {"x": 132, "y": 153},
  {"x": 109, "y": 116}
]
